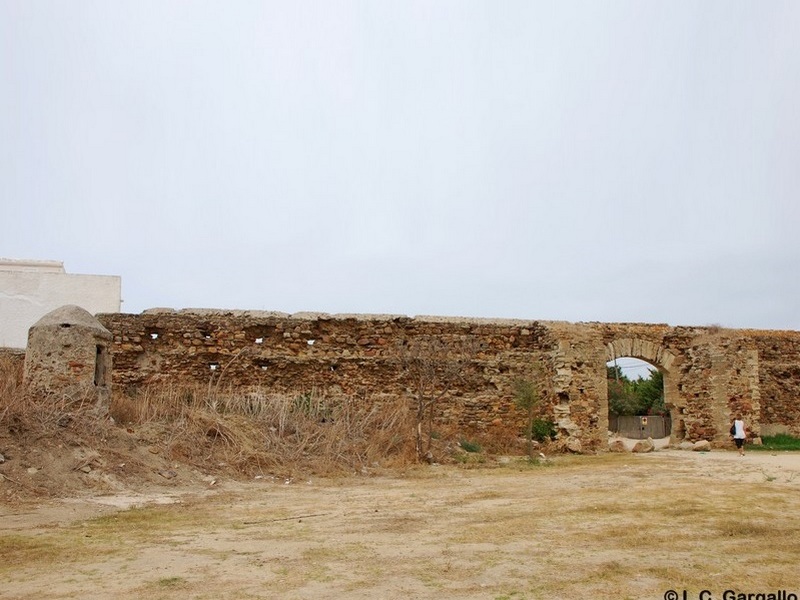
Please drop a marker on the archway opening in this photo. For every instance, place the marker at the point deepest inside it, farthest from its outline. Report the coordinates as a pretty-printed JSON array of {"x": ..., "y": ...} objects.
[{"x": 636, "y": 399}]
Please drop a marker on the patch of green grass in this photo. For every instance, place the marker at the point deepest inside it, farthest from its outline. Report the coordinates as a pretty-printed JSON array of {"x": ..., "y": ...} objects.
[
  {"x": 782, "y": 441},
  {"x": 70, "y": 546}
]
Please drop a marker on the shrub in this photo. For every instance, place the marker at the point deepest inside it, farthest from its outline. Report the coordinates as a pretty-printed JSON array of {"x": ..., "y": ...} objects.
[
  {"x": 470, "y": 446},
  {"x": 543, "y": 430},
  {"x": 527, "y": 398}
]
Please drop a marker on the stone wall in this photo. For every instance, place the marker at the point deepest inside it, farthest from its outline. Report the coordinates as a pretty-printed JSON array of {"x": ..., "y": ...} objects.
[
  {"x": 709, "y": 373},
  {"x": 13, "y": 357},
  {"x": 779, "y": 380},
  {"x": 354, "y": 355}
]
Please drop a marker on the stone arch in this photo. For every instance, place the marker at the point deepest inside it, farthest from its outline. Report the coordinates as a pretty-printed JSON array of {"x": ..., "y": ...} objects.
[
  {"x": 661, "y": 358},
  {"x": 653, "y": 353}
]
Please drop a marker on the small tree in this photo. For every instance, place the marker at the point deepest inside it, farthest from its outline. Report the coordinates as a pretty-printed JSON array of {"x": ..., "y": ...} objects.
[
  {"x": 527, "y": 397},
  {"x": 432, "y": 367}
]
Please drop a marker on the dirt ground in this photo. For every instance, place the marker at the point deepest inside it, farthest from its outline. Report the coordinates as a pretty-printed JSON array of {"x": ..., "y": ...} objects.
[{"x": 611, "y": 525}]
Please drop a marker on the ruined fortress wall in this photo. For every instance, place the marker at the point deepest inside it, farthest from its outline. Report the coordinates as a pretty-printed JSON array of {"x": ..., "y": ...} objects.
[
  {"x": 710, "y": 373},
  {"x": 354, "y": 355}
]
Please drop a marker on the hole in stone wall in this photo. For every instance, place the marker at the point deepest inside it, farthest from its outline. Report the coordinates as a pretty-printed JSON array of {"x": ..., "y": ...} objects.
[
  {"x": 260, "y": 340},
  {"x": 100, "y": 371},
  {"x": 311, "y": 342},
  {"x": 66, "y": 325},
  {"x": 254, "y": 332},
  {"x": 154, "y": 336},
  {"x": 213, "y": 366}
]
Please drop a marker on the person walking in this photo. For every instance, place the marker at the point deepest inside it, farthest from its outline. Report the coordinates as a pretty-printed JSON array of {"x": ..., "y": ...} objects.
[{"x": 739, "y": 434}]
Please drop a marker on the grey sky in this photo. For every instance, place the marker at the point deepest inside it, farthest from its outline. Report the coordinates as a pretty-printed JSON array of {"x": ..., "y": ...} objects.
[{"x": 611, "y": 161}]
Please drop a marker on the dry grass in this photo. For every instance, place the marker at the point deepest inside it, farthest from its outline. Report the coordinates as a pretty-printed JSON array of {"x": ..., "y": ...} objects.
[
  {"x": 253, "y": 432},
  {"x": 10, "y": 384},
  {"x": 247, "y": 433},
  {"x": 30, "y": 417},
  {"x": 257, "y": 432}
]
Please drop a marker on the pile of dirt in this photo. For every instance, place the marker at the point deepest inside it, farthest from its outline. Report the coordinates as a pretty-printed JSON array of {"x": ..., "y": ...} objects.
[{"x": 68, "y": 461}]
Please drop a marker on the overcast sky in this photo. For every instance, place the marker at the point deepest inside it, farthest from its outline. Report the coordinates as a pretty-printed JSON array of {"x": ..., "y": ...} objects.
[{"x": 563, "y": 160}]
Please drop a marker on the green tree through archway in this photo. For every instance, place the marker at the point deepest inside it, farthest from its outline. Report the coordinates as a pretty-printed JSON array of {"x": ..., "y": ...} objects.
[{"x": 642, "y": 395}]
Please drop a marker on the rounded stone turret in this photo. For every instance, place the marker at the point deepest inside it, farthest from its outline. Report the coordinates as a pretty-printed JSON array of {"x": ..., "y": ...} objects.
[{"x": 69, "y": 352}]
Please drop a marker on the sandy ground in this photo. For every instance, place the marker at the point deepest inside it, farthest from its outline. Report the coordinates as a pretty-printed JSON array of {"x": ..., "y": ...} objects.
[{"x": 571, "y": 528}]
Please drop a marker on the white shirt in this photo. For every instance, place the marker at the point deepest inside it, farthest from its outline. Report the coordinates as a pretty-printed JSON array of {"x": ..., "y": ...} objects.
[{"x": 739, "y": 425}]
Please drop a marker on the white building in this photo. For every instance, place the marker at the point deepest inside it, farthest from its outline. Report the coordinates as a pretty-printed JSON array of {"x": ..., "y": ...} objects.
[{"x": 29, "y": 289}]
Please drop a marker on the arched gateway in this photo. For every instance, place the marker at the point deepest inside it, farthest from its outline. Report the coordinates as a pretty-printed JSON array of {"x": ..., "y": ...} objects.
[
  {"x": 659, "y": 357},
  {"x": 710, "y": 374}
]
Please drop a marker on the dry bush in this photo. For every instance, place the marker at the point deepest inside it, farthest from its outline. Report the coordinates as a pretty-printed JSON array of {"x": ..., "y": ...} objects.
[
  {"x": 221, "y": 429},
  {"x": 46, "y": 412},
  {"x": 22, "y": 411},
  {"x": 10, "y": 383},
  {"x": 502, "y": 440},
  {"x": 256, "y": 432},
  {"x": 10, "y": 373}
]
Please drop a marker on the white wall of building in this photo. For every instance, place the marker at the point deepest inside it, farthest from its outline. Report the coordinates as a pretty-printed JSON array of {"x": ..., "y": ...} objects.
[{"x": 30, "y": 289}]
